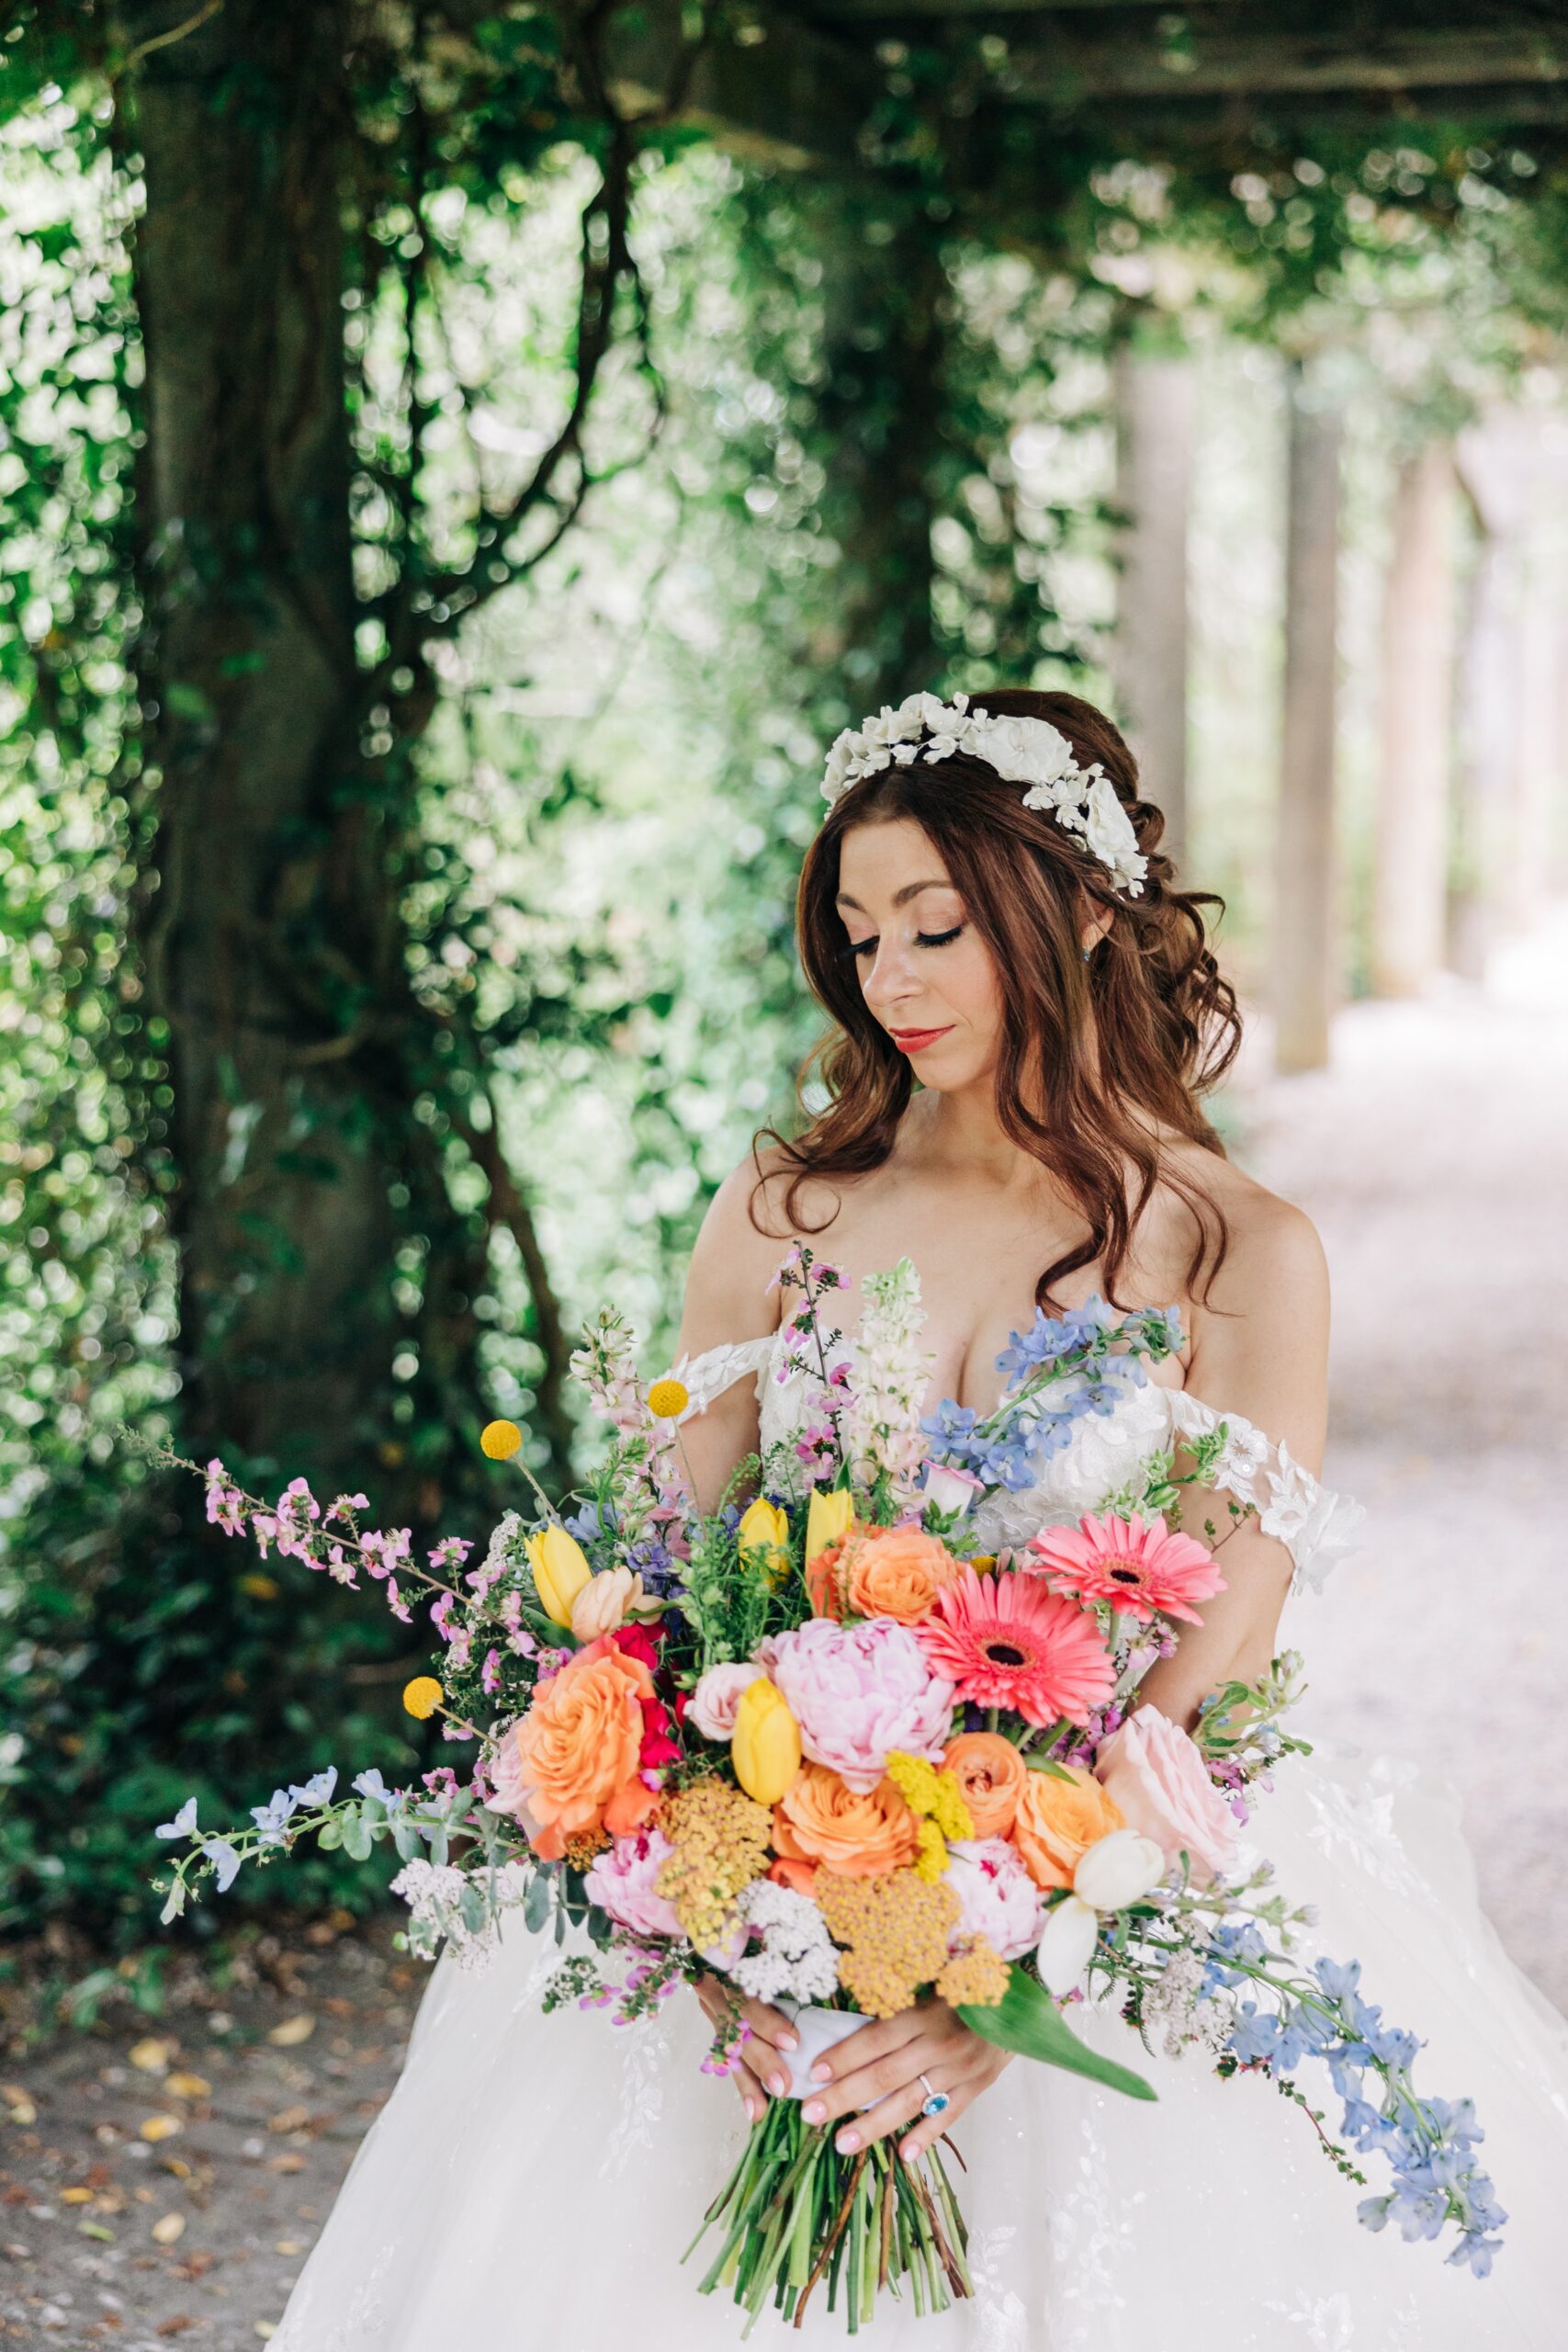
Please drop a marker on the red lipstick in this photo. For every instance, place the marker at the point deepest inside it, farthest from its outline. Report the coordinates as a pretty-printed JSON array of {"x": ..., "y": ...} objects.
[{"x": 916, "y": 1041}]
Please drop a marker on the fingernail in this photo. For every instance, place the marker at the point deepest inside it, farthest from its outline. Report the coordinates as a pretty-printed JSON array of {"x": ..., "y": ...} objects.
[
  {"x": 908, "y": 2150},
  {"x": 847, "y": 2142},
  {"x": 821, "y": 2072},
  {"x": 814, "y": 2110},
  {"x": 788, "y": 2041},
  {"x": 777, "y": 2085}
]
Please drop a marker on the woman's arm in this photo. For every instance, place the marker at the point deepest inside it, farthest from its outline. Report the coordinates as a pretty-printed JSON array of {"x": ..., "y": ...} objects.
[
  {"x": 728, "y": 1300},
  {"x": 1260, "y": 1350}
]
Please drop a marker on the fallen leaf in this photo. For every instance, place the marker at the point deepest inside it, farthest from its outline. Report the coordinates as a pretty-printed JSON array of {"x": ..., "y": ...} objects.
[
  {"x": 76, "y": 2196},
  {"x": 290, "y": 2163},
  {"x": 195, "y": 2265},
  {"x": 168, "y": 2228},
  {"x": 292, "y": 2031},
  {"x": 266, "y": 2329},
  {"x": 289, "y": 2119},
  {"x": 152, "y": 2055},
  {"x": 19, "y": 2106},
  {"x": 95, "y": 2230},
  {"x": 174, "y": 2327},
  {"x": 289, "y": 2245},
  {"x": 189, "y": 2086},
  {"x": 161, "y": 2127},
  {"x": 14, "y": 2252},
  {"x": 177, "y": 2165}
]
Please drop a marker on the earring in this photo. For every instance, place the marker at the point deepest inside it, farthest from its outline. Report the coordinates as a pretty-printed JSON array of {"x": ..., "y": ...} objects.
[{"x": 1086, "y": 954}]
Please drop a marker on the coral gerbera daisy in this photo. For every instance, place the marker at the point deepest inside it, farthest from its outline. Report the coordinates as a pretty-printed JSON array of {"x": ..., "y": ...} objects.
[
  {"x": 1004, "y": 1641},
  {"x": 1141, "y": 1569}
]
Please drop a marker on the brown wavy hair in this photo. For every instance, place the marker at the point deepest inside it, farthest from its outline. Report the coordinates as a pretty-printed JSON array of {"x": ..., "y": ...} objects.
[{"x": 1093, "y": 1054}]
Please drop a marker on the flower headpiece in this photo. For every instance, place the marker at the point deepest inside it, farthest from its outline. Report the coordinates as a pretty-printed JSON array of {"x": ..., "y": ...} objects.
[{"x": 1022, "y": 750}]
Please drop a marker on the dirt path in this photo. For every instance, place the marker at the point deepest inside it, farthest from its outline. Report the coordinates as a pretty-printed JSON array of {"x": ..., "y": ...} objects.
[{"x": 1432, "y": 1156}]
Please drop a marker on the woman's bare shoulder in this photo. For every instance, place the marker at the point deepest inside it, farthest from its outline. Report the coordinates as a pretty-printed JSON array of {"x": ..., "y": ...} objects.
[
  {"x": 744, "y": 1235},
  {"x": 1274, "y": 1263}
]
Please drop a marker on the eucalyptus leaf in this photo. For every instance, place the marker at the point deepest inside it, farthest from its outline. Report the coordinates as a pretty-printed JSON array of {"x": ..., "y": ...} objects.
[{"x": 537, "y": 1904}]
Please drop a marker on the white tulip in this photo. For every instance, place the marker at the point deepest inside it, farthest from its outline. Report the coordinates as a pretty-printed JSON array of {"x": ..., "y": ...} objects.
[
  {"x": 1117, "y": 1869},
  {"x": 1068, "y": 1945}
]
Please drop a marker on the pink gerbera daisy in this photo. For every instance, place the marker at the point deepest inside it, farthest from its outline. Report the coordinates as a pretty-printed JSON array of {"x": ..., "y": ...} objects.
[
  {"x": 1004, "y": 1641},
  {"x": 1144, "y": 1571}
]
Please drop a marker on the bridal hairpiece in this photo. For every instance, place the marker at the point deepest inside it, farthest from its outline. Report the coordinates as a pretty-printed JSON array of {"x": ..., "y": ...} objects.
[{"x": 1022, "y": 750}]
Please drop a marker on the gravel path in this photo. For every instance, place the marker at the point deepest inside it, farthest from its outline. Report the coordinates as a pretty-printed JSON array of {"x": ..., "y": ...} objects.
[{"x": 164, "y": 2180}]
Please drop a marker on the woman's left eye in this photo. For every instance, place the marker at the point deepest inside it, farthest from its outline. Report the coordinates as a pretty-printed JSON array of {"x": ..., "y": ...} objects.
[{"x": 938, "y": 938}]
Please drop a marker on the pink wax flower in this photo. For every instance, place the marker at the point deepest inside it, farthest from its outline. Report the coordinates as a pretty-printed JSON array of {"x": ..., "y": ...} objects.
[
  {"x": 858, "y": 1692},
  {"x": 1141, "y": 1569},
  {"x": 1154, "y": 1773},
  {"x": 622, "y": 1881},
  {"x": 999, "y": 1899}
]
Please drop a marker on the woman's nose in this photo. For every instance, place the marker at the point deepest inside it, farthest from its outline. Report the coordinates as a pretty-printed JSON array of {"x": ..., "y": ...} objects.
[{"x": 892, "y": 979}]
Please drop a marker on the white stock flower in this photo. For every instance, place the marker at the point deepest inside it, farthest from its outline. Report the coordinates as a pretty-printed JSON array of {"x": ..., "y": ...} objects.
[
  {"x": 1117, "y": 1869},
  {"x": 882, "y": 1429}
]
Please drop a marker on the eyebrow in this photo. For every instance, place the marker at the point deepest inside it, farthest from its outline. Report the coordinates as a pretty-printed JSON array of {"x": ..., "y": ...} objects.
[{"x": 900, "y": 898}]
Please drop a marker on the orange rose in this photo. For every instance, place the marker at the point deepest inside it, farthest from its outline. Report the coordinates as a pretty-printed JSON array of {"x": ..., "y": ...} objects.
[
  {"x": 577, "y": 1748},
  {"x": 1057, "y": 1820},
  {"x": 991, "y": 1774},
  {"x": 882, "y": 1572},
  {"x": 818, "y": 1819}
]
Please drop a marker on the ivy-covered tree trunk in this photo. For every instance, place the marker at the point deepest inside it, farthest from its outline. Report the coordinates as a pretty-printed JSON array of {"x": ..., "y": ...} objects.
[{"x": 271, "y": 919}]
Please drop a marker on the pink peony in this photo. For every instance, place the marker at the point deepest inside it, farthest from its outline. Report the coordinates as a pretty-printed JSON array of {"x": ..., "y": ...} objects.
[
  {"x": 622, "y": 1881},
  {"x": 999, "y": 1899},
  {"x": 712, "y": 1702},
  {"x": 1154, "y": 1773},
  {"x": 858, "y": 1692},
  {"x": 1142, "y": 1571}
]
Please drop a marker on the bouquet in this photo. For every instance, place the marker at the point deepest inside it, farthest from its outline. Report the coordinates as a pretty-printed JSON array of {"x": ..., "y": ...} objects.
[{"x": 819, "y": 1746}]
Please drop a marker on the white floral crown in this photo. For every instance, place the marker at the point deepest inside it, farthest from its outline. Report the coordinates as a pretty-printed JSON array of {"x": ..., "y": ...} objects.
[{"x": 1022, "y": 750}]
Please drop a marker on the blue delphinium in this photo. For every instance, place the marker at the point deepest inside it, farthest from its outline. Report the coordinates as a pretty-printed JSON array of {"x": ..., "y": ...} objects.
[{"x": 1428, "y": 2143}]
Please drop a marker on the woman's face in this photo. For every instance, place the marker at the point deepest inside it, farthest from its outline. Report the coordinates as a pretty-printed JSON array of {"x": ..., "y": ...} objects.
[{"x": 925, "y": 972}]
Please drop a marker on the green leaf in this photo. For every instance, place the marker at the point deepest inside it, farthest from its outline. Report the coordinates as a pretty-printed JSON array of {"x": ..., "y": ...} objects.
[
  {"x": 536, "y": 1903},
  {"x": 1026, "y": 2019},
  {"x": 356, "y": 1836}
]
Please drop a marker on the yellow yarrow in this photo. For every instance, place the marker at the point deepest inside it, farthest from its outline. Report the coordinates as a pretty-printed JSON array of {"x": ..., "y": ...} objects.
[
  {"x": 582, "y": 1850},
  {"x": 896, "y": 1930},
  {"x": 976, "y": 1974},
  {"x": 668, "y": 1398},
  {"x": 931, "y": 1860},
  {"x": 933, "y": 1792},
  {"x": 422, "y": 1696},
  {"x": 721, "y": 1841},
  {"x": 498, "y": 1441}
]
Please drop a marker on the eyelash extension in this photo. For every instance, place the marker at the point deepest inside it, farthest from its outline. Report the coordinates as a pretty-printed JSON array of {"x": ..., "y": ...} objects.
[{"x": 854, "y": 947}]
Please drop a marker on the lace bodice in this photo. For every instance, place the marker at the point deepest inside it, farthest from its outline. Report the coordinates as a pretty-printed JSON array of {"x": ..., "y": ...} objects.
[{"x": 1314, "y": 1524}]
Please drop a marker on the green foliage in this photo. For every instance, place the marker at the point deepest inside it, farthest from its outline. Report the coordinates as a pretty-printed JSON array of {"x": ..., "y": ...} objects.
[{"x": 1027, "y": 2020}]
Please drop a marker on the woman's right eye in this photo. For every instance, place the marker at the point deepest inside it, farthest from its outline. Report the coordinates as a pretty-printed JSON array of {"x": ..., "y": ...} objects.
[{"x": 860, "y": 947}]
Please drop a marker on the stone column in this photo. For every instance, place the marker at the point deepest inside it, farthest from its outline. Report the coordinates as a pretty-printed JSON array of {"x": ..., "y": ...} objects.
[
  {"x": 1305, "y": 911},
  {"x": 1156, "y": 402},
  {"x": 1410, "y": 899}
]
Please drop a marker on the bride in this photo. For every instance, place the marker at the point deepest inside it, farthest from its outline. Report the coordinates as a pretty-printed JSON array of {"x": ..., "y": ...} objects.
[{"x": 1024, "y": 1014}]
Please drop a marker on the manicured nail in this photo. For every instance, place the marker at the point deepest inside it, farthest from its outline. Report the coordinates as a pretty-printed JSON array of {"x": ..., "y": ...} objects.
[
  {"x": 814, "y": 2110},
  {"x": 847, "y": 2142},
  {"x": 788, "y": 2041},
  {"x": 907, "y": 2151},
  {"x": 777, "y": 2085},
  {"x": 821, "y": 2072}
]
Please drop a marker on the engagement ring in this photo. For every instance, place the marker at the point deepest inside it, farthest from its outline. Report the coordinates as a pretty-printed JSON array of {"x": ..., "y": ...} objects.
[{"x": 937, "y": 2102}]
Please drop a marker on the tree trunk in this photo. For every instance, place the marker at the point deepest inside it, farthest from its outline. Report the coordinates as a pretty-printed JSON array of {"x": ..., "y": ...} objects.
[
  {"x": 1305, "y": 892},
  {"x": 1155, "y": 408},
  {"x": 1495, "y": 459},
  {"x": 272, "y": 930},
  {"x": 1410, "y": 901}
]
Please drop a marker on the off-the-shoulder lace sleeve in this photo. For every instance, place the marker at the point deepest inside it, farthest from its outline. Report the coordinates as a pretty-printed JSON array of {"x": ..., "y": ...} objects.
[
  {"x": 706, "y": 1377},
  {"x": 1316, "y": 1525}
]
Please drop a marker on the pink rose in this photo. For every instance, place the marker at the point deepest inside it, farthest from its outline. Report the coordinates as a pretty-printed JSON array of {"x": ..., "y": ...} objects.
[
  {"x": 1153, "y": 1771},
  {"x": 623, "y": 1881},
  {"x": 858, "y": 1692},
  {"x": 716, "y": 1698},
  {"x": 998, "y": 1898}
]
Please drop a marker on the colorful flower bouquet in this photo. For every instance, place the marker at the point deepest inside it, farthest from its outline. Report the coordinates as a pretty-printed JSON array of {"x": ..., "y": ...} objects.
[{"x": 820, "y": 1748}]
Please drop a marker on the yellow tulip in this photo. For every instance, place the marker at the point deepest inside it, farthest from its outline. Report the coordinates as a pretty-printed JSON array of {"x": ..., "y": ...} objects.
[
  {"x": 560, "y": 1571},
  {"x": 764, "y": 1528},
  {"x": 766, "y": 1746},
  {"x": 829, "y": 1514}
]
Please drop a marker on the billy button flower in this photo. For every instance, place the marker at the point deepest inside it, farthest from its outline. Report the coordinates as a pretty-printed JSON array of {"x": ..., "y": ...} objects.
[
  {"x": 498, "y": 1441},
  {"x": 668, "y": 1398},
  {"x": 422, "y": 1696}
]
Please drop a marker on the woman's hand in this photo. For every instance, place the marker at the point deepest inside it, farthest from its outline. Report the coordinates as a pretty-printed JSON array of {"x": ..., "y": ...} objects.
[
  {"x": 884, "y": 2062},
  {"x": 754, "y": 2069}
]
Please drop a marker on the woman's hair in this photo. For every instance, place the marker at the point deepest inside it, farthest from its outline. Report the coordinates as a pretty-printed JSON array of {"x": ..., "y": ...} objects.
[{"x": 1082, "y": 1097}]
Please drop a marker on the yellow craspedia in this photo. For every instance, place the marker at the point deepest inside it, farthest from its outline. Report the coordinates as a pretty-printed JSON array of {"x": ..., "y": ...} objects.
[
  {"x": 500, "y": 1439},
  {"x": 668, "y": 1398},
  {"x": 422, "y": 1696}
]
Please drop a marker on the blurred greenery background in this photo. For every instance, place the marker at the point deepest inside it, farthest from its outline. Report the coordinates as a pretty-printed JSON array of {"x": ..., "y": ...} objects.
[{"x": 451, "y": 487}]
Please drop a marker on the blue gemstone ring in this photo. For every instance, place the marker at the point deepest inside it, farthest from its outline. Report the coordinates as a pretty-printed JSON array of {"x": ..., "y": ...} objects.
[{"x": 937, "y": 2102}]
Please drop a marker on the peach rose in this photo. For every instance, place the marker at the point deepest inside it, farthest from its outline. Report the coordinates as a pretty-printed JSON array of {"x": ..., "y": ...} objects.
[
  {"x": 991, "y": 1774},
  {"x": 577, "y": 1748},
  {"x": 1156, "y": 1776},
  {"x": 821, "y": 1819},
  {"x": 881, "y": 1572},
  {"x": 1059, "y": 1820}
]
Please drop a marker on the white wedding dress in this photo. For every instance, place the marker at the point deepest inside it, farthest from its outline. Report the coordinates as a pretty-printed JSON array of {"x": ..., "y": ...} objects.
[{"x": 534, "y": 2180}]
